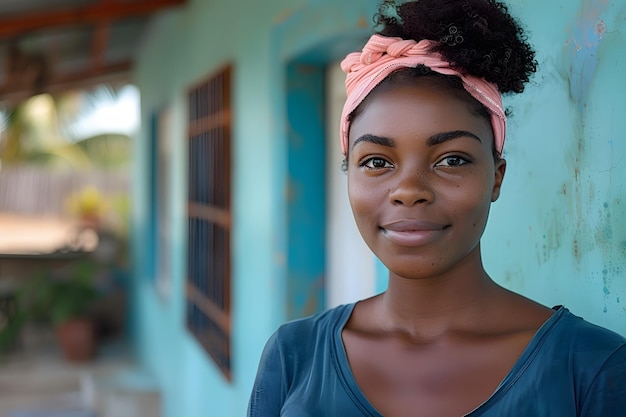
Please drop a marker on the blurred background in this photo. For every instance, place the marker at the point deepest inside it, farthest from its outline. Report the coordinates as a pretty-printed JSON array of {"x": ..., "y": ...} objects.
[
  {"x": 68, "y": 114},
  {"x": 171, "y": 190}
]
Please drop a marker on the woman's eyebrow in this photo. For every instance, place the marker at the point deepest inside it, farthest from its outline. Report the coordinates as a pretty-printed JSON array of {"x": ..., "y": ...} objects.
[
  {"x": 438, "y": 138},
  {"x": 377, "y": 140},
  {"x": 433, "y": 140}
]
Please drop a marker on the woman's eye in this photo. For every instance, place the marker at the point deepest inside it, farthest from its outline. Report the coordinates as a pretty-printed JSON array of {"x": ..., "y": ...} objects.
[
  {"x": 376, "y": 163},
  {"x": 453, "y": 161}
]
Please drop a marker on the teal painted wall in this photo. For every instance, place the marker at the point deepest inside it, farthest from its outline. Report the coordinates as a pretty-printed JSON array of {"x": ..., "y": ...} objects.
[
  {"x": 183, "y": 48},
  {"x": 304, "y": 44},
  {"x": 557, "y": 234}
]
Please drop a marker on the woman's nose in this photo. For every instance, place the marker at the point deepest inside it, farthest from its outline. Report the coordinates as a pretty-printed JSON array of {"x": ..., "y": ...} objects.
[{"x": 412, "y": 188}]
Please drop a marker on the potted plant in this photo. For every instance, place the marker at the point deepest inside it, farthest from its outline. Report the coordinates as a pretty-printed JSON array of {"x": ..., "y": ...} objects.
[
  {"x": 63, "y": 301},
  {"x": 70, "y": 302}
]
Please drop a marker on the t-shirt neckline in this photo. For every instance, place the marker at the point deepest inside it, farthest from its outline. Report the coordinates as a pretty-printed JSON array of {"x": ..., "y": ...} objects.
[{"x": 523, "y": 362}]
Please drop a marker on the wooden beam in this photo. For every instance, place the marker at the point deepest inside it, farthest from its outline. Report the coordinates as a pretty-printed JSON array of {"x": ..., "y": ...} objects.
[
  {"x": 98, "y": 12},
  {"x": 115, "y": 74},
  {"x": 99, "y": 44}
]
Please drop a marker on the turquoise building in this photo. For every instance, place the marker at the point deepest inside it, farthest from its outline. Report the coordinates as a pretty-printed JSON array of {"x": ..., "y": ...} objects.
[{"x": 265, "y": 209}]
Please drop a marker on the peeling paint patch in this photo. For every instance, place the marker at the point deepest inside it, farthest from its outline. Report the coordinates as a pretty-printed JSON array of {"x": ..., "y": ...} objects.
[
  {"x": 610, "y": 271},
  {"x": 605, "y": 281},
  {"x": 552, "y": 238},
  {"x": 582, "y": 44},
  {"x": 600, "y": 28},
  {"x": 604, "y": 231}
]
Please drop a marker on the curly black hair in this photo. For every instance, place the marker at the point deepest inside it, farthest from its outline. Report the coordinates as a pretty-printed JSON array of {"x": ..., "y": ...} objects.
[{"x": 478, "y": 37}]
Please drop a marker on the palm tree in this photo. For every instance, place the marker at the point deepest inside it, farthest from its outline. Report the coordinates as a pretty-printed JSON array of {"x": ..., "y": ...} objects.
[{"x": 51, "y": 131}]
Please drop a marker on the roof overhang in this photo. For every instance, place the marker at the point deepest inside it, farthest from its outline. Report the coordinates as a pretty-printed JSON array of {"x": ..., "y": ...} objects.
[{"x": 58, "y": 45}]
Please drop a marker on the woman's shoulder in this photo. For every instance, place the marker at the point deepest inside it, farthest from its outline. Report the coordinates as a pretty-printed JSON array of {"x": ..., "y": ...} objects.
[
  {"x": 596, "y": 360},
  {"x": 314, "y": 326},
  {"x": 585, "y": 331},
  {"x": 584, "y": 340}
]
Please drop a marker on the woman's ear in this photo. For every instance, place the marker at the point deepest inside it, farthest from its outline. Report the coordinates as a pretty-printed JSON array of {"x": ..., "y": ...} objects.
[{"x": 499, "y": 177}]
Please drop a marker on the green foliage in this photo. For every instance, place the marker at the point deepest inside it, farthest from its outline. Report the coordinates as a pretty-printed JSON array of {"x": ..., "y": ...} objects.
[
  {"x": 53, "y": 299},
  {"x": 41, "y": 130},
  {"x": 10, "y": 333},
  {"x": 112, "y": 150},
  {"x": 71, "y": 297}
]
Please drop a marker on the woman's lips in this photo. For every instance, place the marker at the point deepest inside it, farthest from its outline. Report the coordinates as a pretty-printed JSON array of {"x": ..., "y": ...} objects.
[{"x": 412, "y": 232}]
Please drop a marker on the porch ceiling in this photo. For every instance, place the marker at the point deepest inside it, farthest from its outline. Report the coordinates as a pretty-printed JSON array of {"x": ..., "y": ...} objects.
[{"x": 56, "y": 45}]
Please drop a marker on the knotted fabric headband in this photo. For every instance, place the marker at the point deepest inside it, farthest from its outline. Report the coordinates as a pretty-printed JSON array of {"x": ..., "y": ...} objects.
[{"x": 383, "y": 55}]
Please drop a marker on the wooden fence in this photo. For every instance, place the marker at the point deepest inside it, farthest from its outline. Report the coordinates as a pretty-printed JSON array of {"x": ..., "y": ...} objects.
[{"x": 36, "y": 190}]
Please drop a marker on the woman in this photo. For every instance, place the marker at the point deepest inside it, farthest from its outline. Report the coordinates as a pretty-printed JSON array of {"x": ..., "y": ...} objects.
[{"x": 423, "y": 131}]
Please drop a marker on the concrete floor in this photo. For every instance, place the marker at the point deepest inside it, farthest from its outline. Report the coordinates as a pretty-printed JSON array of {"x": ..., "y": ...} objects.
[
  {"x": 39, "y": 382},
  {"x": 38, "y": 379}
]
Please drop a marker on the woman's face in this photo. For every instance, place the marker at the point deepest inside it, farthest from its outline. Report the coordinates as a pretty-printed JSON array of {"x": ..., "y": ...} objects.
[{"x": 421, "y": 179}]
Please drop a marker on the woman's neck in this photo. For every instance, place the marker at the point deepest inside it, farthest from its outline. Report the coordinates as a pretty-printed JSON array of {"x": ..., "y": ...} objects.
[{"x": 450, "y": 300}]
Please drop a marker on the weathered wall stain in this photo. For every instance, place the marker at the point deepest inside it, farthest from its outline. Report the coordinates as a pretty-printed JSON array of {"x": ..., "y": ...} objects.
[
  {"x": 568, "y": 141},
  {"x": 582, "y": 45},
  {"x": 593, "y": 231}
]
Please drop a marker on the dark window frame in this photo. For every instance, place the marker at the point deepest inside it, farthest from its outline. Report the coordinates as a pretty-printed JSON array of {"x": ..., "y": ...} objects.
[{"x": 208, "y": 283}]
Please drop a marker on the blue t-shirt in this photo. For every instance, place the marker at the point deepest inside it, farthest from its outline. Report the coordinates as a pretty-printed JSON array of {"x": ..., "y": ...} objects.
[{"x": 571, "y": 368}]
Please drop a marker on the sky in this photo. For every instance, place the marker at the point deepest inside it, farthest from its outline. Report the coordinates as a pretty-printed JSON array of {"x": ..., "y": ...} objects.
[{"x": 110, "y": 116}]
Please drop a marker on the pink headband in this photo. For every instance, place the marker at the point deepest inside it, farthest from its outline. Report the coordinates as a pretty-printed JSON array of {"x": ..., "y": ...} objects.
[{"x": 383, "y": 55}]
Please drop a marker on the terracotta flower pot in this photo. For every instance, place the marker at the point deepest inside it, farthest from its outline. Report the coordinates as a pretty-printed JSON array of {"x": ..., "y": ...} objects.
[{"x": 77, "y": 339}]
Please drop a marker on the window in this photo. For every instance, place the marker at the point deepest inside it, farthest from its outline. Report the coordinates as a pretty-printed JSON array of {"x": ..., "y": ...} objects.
[{"x": 209, "y": 218}]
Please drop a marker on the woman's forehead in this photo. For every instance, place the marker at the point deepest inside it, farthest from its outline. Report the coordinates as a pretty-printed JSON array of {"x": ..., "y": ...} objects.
[
  {"x": 422, "y": 104},
  {"x": 415, "y": 104}
]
